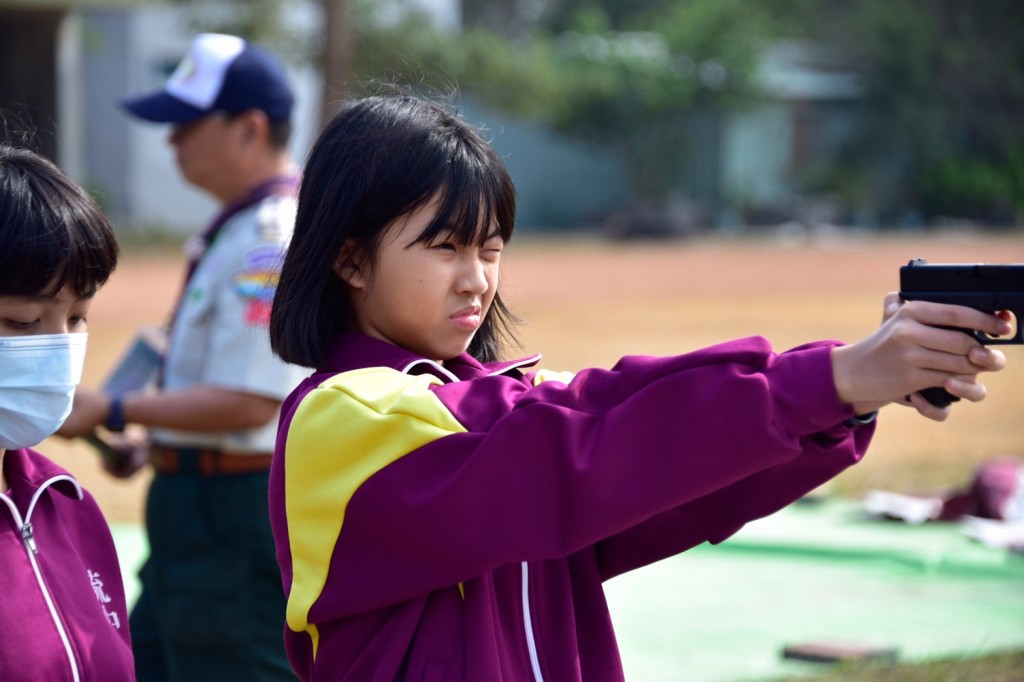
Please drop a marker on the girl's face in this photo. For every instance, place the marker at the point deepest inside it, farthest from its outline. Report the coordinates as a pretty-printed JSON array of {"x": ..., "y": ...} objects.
[
  {"x": 429, "y": 298},
  {"x": 63, "y": 313}
]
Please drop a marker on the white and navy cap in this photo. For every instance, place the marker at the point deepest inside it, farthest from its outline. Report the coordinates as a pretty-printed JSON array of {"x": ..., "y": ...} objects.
[{"x": 219, "y": 73}]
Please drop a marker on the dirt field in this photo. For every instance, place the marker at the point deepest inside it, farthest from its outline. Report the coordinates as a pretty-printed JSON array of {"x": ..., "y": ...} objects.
[{"x": 587, "y": 302}]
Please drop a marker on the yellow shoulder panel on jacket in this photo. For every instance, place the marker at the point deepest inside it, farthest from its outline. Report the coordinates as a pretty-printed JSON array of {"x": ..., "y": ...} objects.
[
  {"x": 543, "y": 375},
  {"x": 344, "y": 431}
]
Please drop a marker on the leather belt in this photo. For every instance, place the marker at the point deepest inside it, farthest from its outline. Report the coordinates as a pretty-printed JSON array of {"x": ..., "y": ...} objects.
[{"x": 205, "y": 462}]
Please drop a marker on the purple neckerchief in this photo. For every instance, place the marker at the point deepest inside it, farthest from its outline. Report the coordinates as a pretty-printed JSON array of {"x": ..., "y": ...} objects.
[
  {"x": 284, "y": 184},
  {"x": 279, "y": 185}
]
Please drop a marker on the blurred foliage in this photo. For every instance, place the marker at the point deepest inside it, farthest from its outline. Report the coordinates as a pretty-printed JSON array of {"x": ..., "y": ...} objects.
[
  {"x": 627, "y": 83},
  {"x": 561, "y": 15},
  {"x": 975, "y": 188},
  {"x": 941, "y": 125},
  {"x": 941, "y": 115},
  {"x": 942, "y": 128},
  {"x": 263, "y": 21}
]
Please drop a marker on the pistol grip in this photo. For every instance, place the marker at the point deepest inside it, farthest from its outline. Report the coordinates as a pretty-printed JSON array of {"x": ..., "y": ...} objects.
[{"x": 939, "y": 397}]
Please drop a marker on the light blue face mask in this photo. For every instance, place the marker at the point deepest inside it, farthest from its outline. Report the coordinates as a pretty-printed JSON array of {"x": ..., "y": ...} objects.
[{"x": 38, "y": 376}]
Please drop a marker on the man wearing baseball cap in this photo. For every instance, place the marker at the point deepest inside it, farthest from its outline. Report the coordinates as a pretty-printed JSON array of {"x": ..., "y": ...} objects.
[{"x": 212, "y": 604}]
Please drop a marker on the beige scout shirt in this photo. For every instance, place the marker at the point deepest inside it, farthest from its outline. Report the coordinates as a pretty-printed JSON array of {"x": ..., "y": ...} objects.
[{"x": 219, "y": 337}]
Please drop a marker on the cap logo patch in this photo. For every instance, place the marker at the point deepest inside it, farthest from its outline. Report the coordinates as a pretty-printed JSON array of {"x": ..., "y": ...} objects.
[{"x": 200, "y": 75}]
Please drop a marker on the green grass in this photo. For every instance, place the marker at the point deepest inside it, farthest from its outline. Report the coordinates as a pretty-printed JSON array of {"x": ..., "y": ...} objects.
[{"x": 998, "y": 667}]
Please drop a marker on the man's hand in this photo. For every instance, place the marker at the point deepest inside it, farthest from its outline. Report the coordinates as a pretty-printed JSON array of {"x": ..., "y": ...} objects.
[{"x": 130, "y": 453}]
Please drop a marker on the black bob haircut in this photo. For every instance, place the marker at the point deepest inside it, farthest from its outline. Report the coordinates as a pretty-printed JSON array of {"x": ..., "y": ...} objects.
[
  {"x": 377, "y": 160},
  {"x": 52, "y": 233}
]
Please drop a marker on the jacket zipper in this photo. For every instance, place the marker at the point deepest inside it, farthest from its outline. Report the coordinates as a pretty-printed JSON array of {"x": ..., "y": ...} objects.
[
  {"x": 531, "y": 641},
  {"x": 31, "y": 549}
]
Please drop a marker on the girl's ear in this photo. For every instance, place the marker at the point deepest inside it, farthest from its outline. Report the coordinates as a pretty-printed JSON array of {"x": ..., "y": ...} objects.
[{"x": 347, "y": 267}]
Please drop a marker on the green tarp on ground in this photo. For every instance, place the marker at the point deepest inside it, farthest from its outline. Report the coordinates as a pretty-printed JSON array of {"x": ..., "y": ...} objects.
[{"x": 812, "y": 572}]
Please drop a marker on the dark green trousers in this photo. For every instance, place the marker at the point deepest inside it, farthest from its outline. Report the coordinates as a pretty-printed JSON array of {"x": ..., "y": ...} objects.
[{"x": 212, "y": 606}]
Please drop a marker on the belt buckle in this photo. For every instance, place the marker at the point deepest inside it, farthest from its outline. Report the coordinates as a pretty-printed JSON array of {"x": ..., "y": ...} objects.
[{"x": 209, "y": 463}]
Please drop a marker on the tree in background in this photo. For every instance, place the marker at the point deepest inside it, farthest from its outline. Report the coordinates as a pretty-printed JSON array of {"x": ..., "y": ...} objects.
[
  {"x": 943, "y": 110},
  {"x": 941, "y": 134},
  {"x": 262, "y": 21},
  {"x": 630, "y": 82},
  {"x": 942, "y": 130},
  {"x": 276, "y": 24}
]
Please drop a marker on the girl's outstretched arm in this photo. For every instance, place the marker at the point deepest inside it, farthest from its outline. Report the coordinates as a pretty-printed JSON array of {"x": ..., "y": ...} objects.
[{"x": 394, "y": 485}]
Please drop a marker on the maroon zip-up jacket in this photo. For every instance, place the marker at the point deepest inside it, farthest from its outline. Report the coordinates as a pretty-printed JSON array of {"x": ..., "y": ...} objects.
[
  {"x": 457, "y": 521},
  {"x": 62, "y": 613}
]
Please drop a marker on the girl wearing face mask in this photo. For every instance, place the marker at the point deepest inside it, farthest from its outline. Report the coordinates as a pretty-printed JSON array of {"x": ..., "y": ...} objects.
[{"x": 62, "y": 610}]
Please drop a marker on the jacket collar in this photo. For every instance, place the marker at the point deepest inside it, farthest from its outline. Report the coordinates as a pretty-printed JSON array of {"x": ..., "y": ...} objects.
[
  {"x": 27, "y": 472},
  {"x": 351, "y": 350}
]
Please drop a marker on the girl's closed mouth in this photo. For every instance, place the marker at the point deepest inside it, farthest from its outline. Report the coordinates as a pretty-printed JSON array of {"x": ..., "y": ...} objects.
[{"x": 468, "y": 317}]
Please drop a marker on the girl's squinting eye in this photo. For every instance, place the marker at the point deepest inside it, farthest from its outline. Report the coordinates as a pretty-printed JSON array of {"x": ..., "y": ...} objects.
[
  {"x": 19, "y": 325},
  {"x": 493, "y": 246}
]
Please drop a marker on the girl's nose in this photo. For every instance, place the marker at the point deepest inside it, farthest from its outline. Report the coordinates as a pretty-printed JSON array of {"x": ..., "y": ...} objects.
[{"x": 473, "y": 278}]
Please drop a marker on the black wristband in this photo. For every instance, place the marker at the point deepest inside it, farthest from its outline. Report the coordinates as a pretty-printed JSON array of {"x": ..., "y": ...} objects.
[
  {"x": 115, "y": 418},
  {"x": 860, "y": 419}
]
